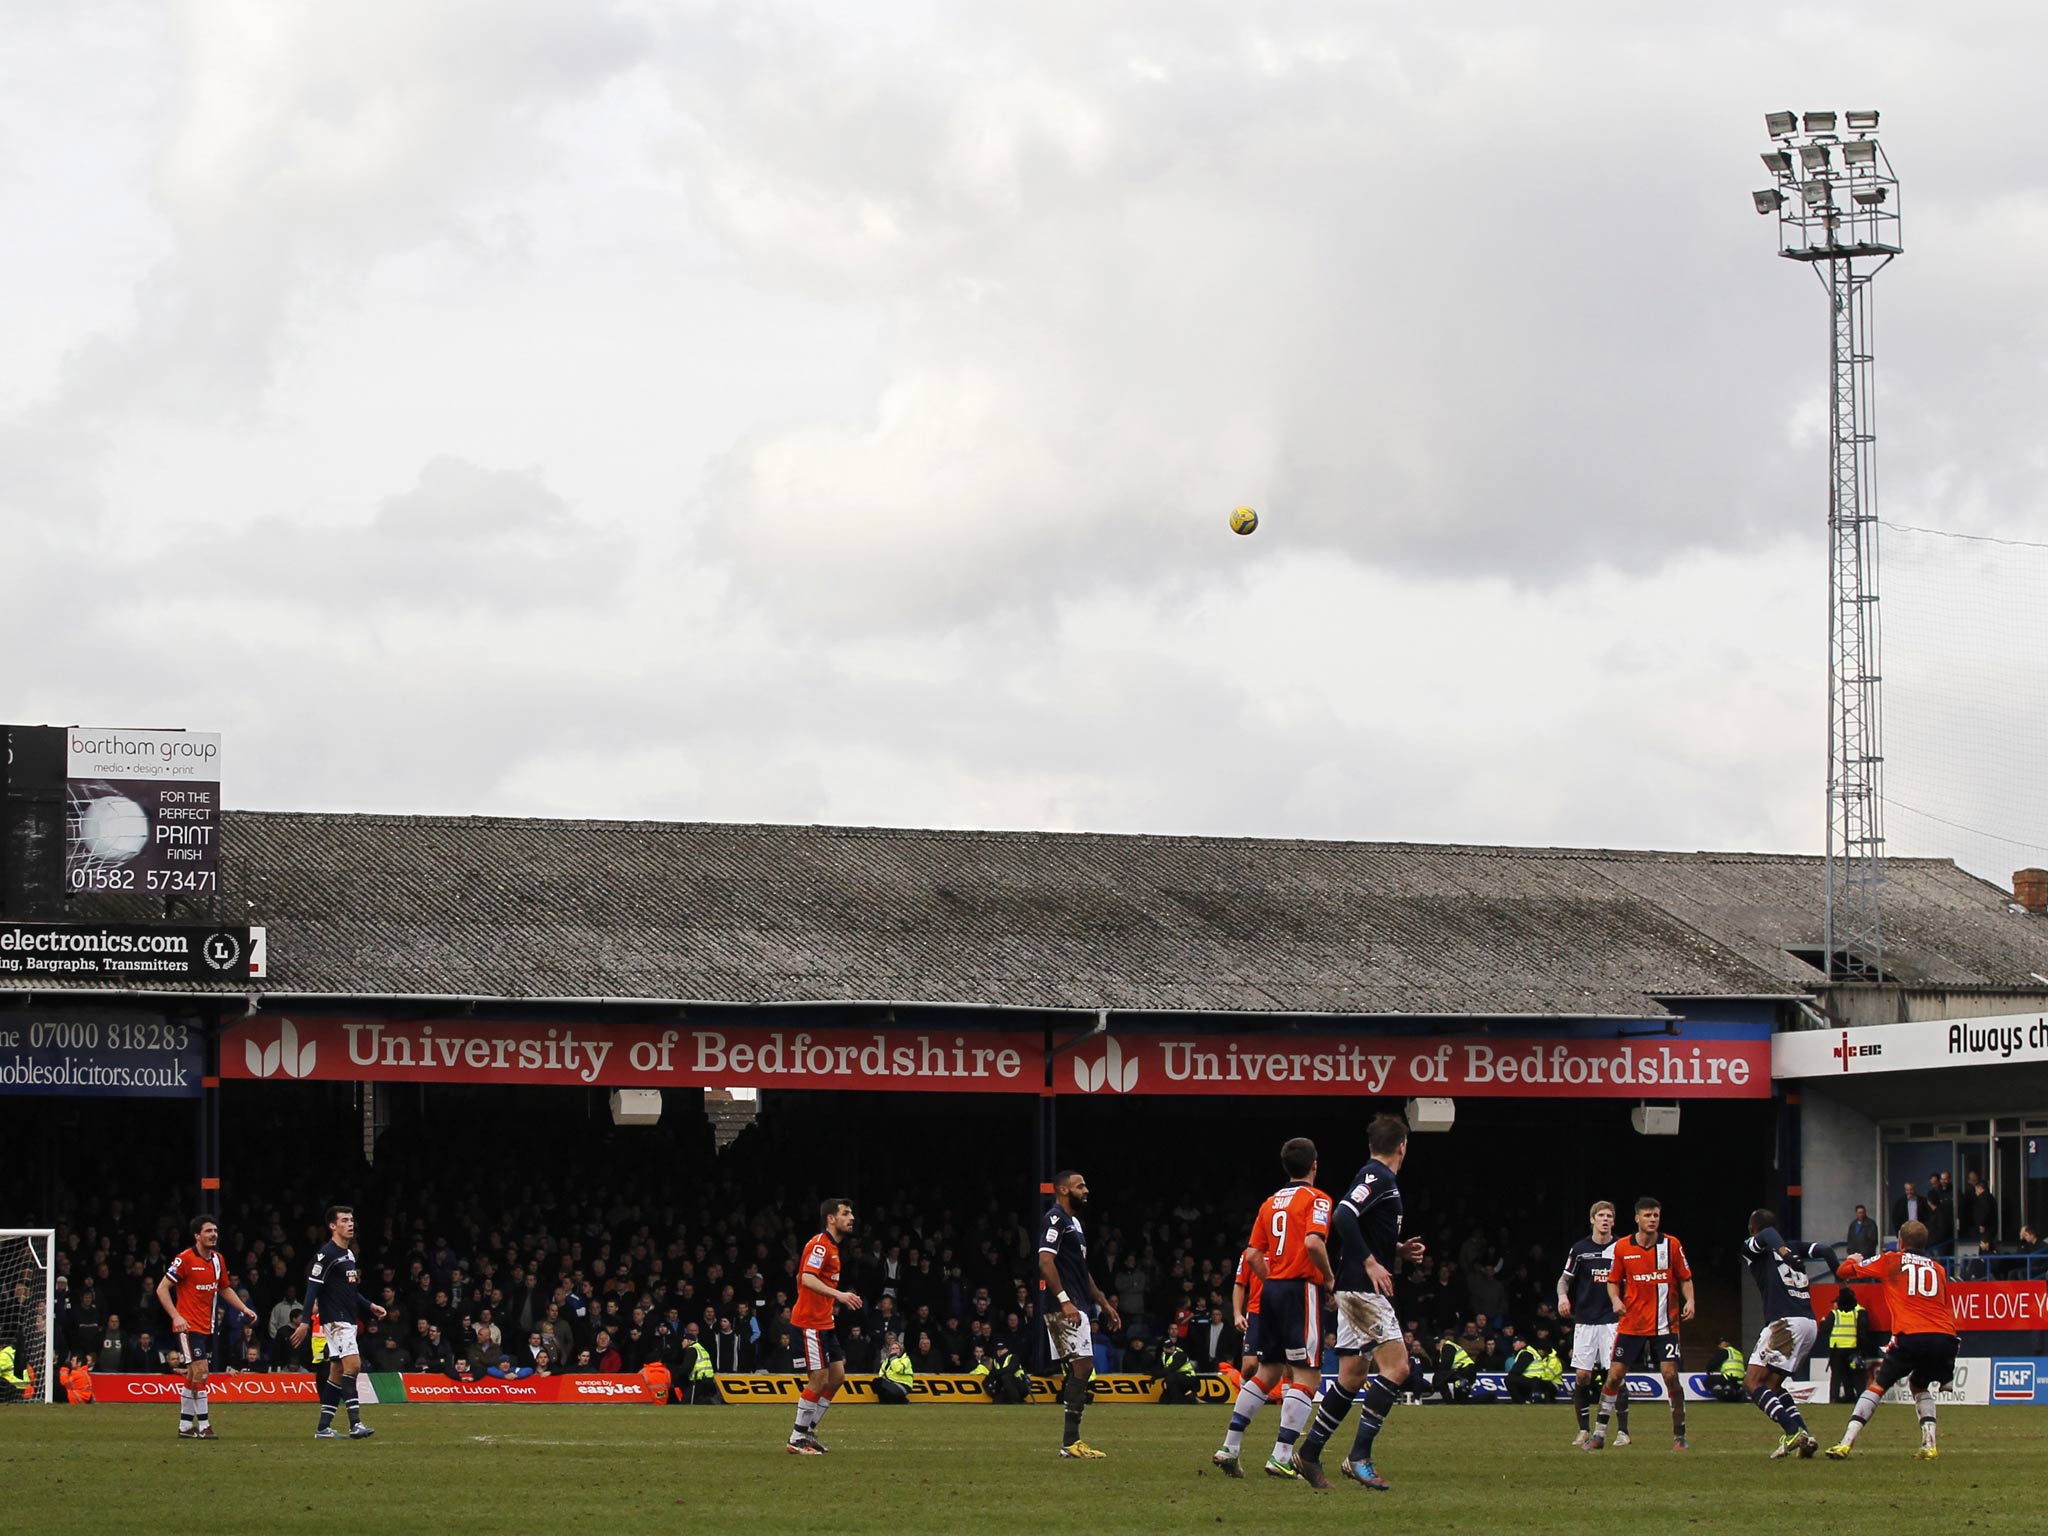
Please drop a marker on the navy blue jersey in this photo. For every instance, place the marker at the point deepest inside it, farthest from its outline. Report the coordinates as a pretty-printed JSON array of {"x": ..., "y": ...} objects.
[
  {"x": 1367, "y": 1221},
  {"x": 1781, "y": 1278},
  {"x": 1060, "y": 1236},
  {"x": 332, "y": 1283},
  {"x": 1586, "y": 1269}
]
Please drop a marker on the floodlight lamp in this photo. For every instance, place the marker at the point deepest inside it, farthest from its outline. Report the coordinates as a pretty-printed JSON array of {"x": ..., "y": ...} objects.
[
  {"x": 1870, "y": 197},
  {"x": 1781, "y": 124},
  {"x": 1860, "y": 153},
  {"x": 1819, "y": 122},
  {"x": 1817, "y": 192},
  {"x": 1769, "y": 201},
  {"x": 1778, "y": 162},
  {"x": 1865, "y": 121},
  {"x": 1813, "y": 157}
]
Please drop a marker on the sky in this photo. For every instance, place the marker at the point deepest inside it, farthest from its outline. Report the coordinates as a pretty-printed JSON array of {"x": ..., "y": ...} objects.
[{"x": 824, "y": 413}]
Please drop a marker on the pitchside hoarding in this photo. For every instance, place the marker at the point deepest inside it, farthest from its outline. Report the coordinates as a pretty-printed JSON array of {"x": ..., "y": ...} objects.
[
  {"x": 143, "y": 811},
  {"x": 946, "y": 1061}
]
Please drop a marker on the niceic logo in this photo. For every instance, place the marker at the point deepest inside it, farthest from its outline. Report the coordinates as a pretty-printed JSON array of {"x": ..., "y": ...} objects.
[
  {"x": 2012, "y": 1381},
  {"x": 284, "y": 1052},
  {"x": 1846, "y": 1053},
  {"x": 1112, "y": 1071}
]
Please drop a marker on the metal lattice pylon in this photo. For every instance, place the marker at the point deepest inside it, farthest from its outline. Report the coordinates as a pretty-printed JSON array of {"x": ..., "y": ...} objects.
[{"x": 1837, "y": 203}]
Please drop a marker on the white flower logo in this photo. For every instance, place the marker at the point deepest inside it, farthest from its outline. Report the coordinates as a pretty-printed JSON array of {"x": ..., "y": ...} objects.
[
  {"x": 284, "y": 1051},
  {"x": 1112, "y": 1072}
]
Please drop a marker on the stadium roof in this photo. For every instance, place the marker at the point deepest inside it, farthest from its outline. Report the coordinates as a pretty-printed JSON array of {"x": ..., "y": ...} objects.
[{"x": 499, "y": 908}]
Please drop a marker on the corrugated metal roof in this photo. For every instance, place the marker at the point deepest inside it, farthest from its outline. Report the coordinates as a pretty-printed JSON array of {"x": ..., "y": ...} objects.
[{"x": 527, "y": 909}]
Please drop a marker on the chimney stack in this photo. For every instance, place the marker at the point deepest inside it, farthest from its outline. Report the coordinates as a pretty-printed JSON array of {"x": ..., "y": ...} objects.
[{"x": 2030, "y": 889}]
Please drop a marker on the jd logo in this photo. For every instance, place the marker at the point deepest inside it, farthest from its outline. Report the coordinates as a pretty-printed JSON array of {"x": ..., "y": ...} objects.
[
  {"x": 1112, "y": 1071},
  {"x": 284, "y": 1052}
]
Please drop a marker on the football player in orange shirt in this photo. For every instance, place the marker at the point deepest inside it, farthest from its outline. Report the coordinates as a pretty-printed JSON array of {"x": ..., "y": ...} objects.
[
  {"x": 1647, "y": 1264},
  {"x": 1924, "y": 1337},
  {"x": 818, "y": 1292},
  {"x": 191, "y": 1292},
  {"x": 1290, "y": 1245}
]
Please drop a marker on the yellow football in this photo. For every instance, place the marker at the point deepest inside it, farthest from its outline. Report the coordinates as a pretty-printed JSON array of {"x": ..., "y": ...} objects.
[{"x": 1243, "y": 520}]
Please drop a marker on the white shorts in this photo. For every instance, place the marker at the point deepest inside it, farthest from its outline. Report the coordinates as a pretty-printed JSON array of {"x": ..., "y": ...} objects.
[
  {"x": 1592, "y": 1346},
  {"x": 1070, "y": 1341},
  {"x": 1785, "y": 1344},
  {"x": 1365, "y": 1321},
  {"x": 341, "y": 1340}
]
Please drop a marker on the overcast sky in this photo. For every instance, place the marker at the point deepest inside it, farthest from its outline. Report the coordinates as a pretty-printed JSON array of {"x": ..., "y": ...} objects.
[{"x": 832, "y": 412}]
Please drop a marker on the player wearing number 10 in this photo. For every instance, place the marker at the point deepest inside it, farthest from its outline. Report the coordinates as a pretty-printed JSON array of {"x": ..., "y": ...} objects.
[
  {"x": 1290, "y": 1247},
  {"x": 1924, "y": 1338}
]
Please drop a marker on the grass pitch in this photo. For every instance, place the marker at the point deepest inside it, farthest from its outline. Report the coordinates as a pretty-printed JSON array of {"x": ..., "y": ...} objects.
[{"x": 623, "y": 1470}]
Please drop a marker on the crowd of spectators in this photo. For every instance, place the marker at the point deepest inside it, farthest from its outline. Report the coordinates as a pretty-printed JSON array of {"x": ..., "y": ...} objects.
[{"x": 496, "y": 1256}]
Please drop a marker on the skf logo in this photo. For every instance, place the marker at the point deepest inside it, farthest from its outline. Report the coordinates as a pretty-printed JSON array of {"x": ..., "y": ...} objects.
[
  {"x": 1846, "y": 1053},
  {"x": 1112, "y": 1071},
  {"x": 283, "y": 1053},
  {"x": 2012, "y": 1381}
]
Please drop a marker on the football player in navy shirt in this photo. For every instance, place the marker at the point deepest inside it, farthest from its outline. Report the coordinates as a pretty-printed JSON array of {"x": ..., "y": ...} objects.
[
  {"x": 1582, "y": 1297},
  {"x": 333, "y": 1286},
  {"x": 1779, "y": 1269},
  {"x": 1370, "y": 1248},
  {"x": 1069, "y": 1300}
]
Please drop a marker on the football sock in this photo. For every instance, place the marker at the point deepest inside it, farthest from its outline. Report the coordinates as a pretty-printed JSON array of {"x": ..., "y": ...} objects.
[
  {"x": 1607, "y": 1401},
  {"x": 186, "y": 1407},
  {"x": 199, "y": 1406},
  {"x": 1374, "y": 1404},
  {"x": 1075, "y": 1395},
  {"x": 1251, "y": 1397},
  {"x": 1296, "y": 1403},
  {"x": 330, "y": 1399},
  {"x": 806, "y": 1413},
  {"x": 1582, "y": 1404},
  {"x": 818, "y": 1413},
  {"x": 1859, "y": 1416},
  {"x": 1678, "y": 1415},
  {"x": 1336, "y": 1403},
  {"x": 1621, "y": 1408},
  {"x": 1924, "y": 1401}
]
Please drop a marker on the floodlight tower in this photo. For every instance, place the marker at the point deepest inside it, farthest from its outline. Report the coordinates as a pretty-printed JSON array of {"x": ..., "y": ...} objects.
[{"x": 1837, "y": 203}]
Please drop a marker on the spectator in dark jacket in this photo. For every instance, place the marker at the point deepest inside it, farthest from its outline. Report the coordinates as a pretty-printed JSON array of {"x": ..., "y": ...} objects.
[{"x": 1862, "y": 1236}]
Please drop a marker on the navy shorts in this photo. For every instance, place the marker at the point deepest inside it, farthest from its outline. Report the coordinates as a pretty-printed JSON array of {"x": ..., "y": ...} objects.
[
  {"x": 1928, "y": 1358},
  {"x": 1291, "y": 1323},
  {"x": 819, "y": 1347},
  {"x": 1251, "y": 1333},
  {"x": 1646, "y": 1351},
  {"x": 194, "y": 1348}
]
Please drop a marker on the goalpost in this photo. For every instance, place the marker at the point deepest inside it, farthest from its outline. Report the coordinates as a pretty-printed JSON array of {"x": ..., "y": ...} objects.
[{"x": 28, "y": 1296}]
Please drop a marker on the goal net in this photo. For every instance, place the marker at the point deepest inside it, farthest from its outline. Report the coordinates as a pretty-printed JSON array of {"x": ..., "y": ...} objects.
[{"x": 27, "y": 1290}]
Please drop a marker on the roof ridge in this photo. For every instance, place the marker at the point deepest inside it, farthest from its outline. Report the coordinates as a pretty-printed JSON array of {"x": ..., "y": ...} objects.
[{"x": 1027, "y": 835}]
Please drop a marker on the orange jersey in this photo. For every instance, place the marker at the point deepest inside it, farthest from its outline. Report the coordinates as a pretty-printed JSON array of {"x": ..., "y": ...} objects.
[
  {"x": 1286, "y": 1221},
  {"x": 1915, "y": 1285},
  {"x": 1648, "y": 1277},
  {"x": 195, "y": 1288},
  {"x": 1252, "y": 1281},
  {"x": 821, "y": 1258}
]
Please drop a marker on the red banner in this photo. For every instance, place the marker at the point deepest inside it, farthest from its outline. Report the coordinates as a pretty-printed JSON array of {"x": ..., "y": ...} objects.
[
  {"x": 1981, "y": 1306},
  {"x": 221, "y": 1387},
  {"x": 942, "y": 1061},
  {"x": 531, "y": 1389},
  {"x": 1395, "y": 1066},
  {"x": 291, "y": 1387}
]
